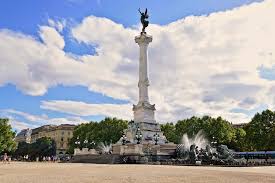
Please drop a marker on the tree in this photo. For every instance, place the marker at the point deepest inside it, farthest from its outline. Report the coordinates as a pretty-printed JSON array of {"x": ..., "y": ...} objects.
[
  {"x": 220, "y": 129},
  {"x": 217, "y": 128},
  {"x": 44, "y": 146},
  {"x": 108, "y": 131},
  {"x": 169, "y": 130},
  {"x": 261, "y": 131},
  {"x": 7, "y": 143},
  {"x": 23, "y": 149},
  {"x": 239, "y": 140},
  {"x": 191, "y": 126}
]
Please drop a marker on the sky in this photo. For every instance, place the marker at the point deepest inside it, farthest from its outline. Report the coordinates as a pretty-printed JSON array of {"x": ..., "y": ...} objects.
[{"x": 73, "y": 61}]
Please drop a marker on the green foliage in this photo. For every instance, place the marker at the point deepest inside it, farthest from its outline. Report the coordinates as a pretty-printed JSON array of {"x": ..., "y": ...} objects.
[
  {"x": 259, "y": 134},
  {"x": 239, "y": 142},
  {"x": 261, "y": 131},
  {"x": 7, "y": 143},
  {"x": 169, "y": 130},
  {"x": 217, "y": 128},
  {"x": 190, "y": 126},
  {"x": 44, "y": 146},
  {"x": 23, "y": 149},
  {"x": 108, "y": 130}
]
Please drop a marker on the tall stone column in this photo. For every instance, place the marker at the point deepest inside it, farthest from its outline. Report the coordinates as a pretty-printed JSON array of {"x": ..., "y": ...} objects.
[{"x": 143, "y": 111}]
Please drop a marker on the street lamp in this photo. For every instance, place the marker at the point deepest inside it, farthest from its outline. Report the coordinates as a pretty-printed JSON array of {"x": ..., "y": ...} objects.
[
  {"x": 92, "y": 144},
  {"x": 156, "y": 138},
  {"x": 85, "y": 143},
  {"x": 124, "y": 139},
  {"x": 77, "y": 142},
  {"x": 214, "y": 142},
  {"x": 138, "y": 136}
]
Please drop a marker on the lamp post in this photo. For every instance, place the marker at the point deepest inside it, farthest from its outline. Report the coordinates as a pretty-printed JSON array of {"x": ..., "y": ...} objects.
[
  {"x": 124, "y": 139},
  {"x": 138, "y": 136},
  {"x": 77, "y": 142},
  {"x": 156, "y": 138},
  {"x": 92, "y": 144},
  {"x": 214, "y": 142},
  {"x": 85, "y": 143}
]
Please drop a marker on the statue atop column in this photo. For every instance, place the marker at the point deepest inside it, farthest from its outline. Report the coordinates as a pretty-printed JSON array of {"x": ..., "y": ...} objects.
[
  {"x": 143, "y": 19},
  {"x": 144, "y": 129}
]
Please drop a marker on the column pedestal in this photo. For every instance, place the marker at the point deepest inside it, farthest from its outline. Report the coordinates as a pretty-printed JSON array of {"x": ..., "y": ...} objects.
[{"x": 143, "y": 111}]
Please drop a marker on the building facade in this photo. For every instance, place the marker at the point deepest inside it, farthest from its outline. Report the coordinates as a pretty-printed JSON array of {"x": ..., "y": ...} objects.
[
  {"x": 23, "y": 136},
  {"x": 60, "y": 134}
]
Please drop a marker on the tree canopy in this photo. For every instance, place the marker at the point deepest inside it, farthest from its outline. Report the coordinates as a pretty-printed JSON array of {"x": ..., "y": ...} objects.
[
  {"x": 108, "y": 131},
  {"x": 217, "y": 128},
  {"x": 261, "y": 131},
  {"x": 257, "y": 135},
  {"x": 7, "y": 143},
  {"x": 44, "y": 146}
]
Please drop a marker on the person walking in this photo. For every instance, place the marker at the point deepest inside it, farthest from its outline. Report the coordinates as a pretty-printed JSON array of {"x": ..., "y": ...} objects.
[
  {"x": 9, "y": 159},
  {"x": 5, "y": 158}
]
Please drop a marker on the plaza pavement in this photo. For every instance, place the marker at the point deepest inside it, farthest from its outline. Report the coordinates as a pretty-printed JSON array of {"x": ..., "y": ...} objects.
[{"x": 19, "y": 172}]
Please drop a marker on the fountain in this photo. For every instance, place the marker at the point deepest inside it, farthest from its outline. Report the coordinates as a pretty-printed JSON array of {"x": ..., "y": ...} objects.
[
  {"x": 143, "y": 141},
  {"x": 197, "y": 150},
  {"x": 105, "y": 148},
  {"x": 200, "y": 140}
]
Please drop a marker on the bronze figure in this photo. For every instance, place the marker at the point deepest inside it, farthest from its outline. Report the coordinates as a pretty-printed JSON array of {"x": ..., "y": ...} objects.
[{"x": 143, "y": 19}]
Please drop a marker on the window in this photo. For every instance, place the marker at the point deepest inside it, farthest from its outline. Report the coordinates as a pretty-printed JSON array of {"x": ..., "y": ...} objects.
[{"x": 62, "y": 139}]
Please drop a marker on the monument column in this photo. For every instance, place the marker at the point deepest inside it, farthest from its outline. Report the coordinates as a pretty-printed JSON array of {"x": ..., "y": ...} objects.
[
  {"x": 144, "y": 128},
  {"x": 143, "y": 41},
  {"x": 143, "y": 111}
]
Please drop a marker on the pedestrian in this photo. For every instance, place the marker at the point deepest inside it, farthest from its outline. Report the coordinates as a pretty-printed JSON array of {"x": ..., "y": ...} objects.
[
  {"x": 9, "y": 160},
  {"x": 5, "y": 158}
]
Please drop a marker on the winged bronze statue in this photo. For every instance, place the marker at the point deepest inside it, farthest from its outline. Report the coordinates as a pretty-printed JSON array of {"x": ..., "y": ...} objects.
[{"x": 143, "y": 19}]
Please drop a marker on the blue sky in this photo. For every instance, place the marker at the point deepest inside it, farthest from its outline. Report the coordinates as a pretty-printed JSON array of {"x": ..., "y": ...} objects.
[{"x": 27, "y": 17}]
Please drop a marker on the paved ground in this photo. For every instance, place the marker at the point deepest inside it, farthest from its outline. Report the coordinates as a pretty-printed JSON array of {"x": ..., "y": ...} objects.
[{"x": 91, "y": 173}]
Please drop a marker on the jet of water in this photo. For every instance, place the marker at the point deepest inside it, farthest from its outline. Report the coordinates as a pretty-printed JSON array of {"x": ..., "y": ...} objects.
[
  {"x": 199, "y": 140},
  {"x": 105, "y": 148}
]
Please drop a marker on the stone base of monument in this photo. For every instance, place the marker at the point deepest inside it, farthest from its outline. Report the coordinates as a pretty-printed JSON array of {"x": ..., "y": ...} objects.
[
  {"x": 144, "y": 149},
  {"x": 129, "y": 153},
  {"x": 128, "y": 149},
  {"x": 84, "y": 151},
  {"x": 147, "y": 129},
  {"x": 97, "y": 159},
  {"x": 144, "y": 153}
]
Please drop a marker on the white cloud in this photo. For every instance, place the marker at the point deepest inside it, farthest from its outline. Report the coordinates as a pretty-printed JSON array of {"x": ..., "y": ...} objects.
[
  {"x": 84, "y": 109},
  {"x": 198, "y": 65},
  {"x": 51, "y": 37},
  {"x": 22, "y": 120},
  {"x": 58, "y": 25}
]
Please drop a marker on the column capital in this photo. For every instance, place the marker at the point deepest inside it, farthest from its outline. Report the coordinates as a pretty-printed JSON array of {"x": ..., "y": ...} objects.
[{"x": 143, "y": 38}]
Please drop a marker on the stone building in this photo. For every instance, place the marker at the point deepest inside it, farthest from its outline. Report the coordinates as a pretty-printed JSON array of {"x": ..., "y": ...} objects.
[
  {"x": 23, "y": 136},
  {"x": 60, "y": 134}
]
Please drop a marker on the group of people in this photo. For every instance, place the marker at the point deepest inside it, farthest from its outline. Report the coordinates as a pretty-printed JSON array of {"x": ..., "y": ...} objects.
[
  {"x": 7, "y": 159},
  {"x": 49, "y": 159},
  {"x": 43, "y": 159}
]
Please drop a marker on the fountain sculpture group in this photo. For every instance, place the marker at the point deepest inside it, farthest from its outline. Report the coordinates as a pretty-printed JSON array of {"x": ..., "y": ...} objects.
[
  {"x": 143, "y": 141},
  {"x": 199, "y": 151}
]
